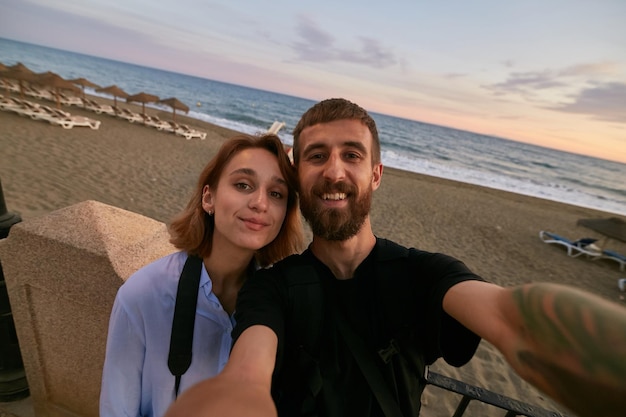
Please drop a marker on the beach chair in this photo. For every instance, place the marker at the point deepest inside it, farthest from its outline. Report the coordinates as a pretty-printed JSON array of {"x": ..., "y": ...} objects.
[
  {"x": 68, "y": 100},
  {"x": 574, "y": 248},
  {"x": 98, "y": 108},
  {"x": 275, "y": 128},
  {"x": 10, "y": 103},
  {"x": 128, "y": 115},
  {"x": 155, "y": 122},
  {"x": 614, "y": 256},
  {"x": 73, "y": 121},
  {"x": 187, "y": 132}
]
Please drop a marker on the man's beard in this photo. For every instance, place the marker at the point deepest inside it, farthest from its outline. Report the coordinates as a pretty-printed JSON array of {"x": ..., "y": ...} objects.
[{"x": 331, "y": 223}]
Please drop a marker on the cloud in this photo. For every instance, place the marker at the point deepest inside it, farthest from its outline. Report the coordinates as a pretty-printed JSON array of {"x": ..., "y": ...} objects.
[
  {"x": 600, "y": 68},
  {"x": 606, "y": 102},
  {"x": 521, "y": 82},
  {"x": 319, "y": 46},
  {"x": 588, "y": 89},
  {"x": 527, "y": 82}
]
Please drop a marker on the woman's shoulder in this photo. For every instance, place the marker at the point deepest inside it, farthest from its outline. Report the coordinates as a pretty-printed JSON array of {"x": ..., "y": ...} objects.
[{"x": 157, "y": 276}]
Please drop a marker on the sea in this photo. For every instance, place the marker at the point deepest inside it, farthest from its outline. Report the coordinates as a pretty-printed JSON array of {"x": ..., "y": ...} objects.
[{"x": 410, "y": 145}]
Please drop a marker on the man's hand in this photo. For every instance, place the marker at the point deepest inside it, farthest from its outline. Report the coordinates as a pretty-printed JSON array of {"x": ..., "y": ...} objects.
[
  {"x": 222, "y": 396},
  {"x": 243, "y": 388}
]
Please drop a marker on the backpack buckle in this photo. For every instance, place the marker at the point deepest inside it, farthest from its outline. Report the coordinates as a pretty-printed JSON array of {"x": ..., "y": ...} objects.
[{"x": 387, "y": 353}]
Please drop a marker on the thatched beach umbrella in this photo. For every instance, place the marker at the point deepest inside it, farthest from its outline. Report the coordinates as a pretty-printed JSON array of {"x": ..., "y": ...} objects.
[
  {"x": 175, "y": 104},
  {"x": 21, "y": 67},
  {"x": 20, "y": 73},
  {"x": 56, "y": 82},
  {"x": 115, "y": 91},
  {"x": 142, "y": 98},
  {"x": 83, "y": 82}
]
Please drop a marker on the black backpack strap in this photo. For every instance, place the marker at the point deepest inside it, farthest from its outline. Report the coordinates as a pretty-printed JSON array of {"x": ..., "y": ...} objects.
[
  {"x": 307, "y": 314},
  {"x": 365, "y": 359},
  {"x": 179, "y": 358}
]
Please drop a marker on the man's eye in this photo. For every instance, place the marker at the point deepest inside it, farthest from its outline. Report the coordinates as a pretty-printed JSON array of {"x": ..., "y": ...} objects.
[
  {"x": 316, "y": 156},
  {"x": 352, "y": 155}
]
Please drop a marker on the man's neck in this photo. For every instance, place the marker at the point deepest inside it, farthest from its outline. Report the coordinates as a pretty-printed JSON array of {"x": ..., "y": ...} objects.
[{"x": 343, "y": 257}]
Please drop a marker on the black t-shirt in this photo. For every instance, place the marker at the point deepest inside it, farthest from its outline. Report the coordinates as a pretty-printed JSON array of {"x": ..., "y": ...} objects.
[{"x": 364, "y": 300}]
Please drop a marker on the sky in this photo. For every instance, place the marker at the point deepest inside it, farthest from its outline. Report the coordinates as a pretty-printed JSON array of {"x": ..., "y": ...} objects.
[{"x": 546, "y": 72}]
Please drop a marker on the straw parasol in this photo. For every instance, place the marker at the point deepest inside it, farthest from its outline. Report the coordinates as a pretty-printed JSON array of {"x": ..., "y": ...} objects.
[
  {"x": 83, "y": 82},
  {"x": 20, "y": 73},
  {"x": 115, "y": 91},
  {"x": 175, "y": 104},
  {"x": 21, "y": 67},
  {"x": 57, "y": 82},
  {"x": 142, "y": 98}
]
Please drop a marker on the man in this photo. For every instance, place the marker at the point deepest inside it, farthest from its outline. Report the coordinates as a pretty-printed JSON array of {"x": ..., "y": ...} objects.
[{"x": 570, "y": 344}]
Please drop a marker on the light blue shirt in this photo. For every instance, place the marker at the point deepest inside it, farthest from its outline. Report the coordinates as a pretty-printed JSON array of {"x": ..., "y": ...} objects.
[{"x": 136, "y": 380}]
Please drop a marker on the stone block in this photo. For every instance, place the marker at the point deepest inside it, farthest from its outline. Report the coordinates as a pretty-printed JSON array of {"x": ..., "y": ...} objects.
[{"x": 62, "y": 272}]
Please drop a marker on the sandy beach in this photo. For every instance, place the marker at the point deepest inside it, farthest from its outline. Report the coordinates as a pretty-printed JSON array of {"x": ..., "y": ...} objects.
[{"x": 44, "y": 168}]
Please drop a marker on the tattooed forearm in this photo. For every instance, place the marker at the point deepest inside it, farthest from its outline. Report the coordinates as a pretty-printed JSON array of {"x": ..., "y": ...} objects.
[{"x": 575, "y": 347}]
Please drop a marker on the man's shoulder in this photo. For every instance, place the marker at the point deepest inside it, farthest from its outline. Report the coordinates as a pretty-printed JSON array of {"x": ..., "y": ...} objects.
[
  {"x": 387, "y": 250},
  {"x": 298, "y": 259}
]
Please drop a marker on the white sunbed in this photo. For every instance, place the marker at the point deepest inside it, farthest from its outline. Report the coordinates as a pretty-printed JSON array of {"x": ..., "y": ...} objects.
[
  {"x": 158, "y": 124},
  {"x": 187, "y": 132},
  {"x": 129, "y": 115},
  {"x": 275, "y": 128},
  {"x": 39, "y": 93},
  {"x": 98, "y": 108},
  {"x": 10, "y": 103},
  {"x": 72, "y": 121},
  {"x": 64, "y": 119}
]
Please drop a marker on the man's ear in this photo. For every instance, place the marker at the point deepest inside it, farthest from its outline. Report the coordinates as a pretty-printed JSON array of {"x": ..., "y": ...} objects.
[
  {"x": 377, "y": 175},
  {"x": 208, "y": 204}
]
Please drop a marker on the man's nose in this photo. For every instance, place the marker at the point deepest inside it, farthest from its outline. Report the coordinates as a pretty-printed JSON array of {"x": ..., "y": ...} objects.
[{"x": 334, "y": 169}]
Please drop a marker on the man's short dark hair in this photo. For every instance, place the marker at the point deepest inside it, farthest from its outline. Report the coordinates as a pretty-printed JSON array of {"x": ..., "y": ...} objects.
[{"x": 336, "y": 109}]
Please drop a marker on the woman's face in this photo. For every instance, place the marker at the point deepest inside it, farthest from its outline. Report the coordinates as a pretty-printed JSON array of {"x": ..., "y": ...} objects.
[{"x": 250, "y": 202}]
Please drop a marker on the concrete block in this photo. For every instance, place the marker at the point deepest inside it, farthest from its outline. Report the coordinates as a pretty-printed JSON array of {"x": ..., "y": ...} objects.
[{"x": 62, "y": 272}]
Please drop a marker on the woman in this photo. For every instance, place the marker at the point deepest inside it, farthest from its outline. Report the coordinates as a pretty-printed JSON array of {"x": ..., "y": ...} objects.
[{"x": 243, "y": 215}]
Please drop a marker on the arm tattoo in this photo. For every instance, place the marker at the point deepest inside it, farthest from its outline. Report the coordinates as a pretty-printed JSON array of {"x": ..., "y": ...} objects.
[{"x": 576, "y": 348}]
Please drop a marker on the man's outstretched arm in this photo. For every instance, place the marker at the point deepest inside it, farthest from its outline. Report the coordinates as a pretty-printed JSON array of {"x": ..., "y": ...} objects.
[
  {"x": 569, "y": 343},
  {"x": 242, "y": 389}
]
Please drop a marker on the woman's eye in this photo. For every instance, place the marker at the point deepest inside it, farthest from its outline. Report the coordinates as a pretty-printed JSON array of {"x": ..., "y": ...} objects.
[
  {"x": 242, "y": 186},
  {"x": 276, "y": 194}
]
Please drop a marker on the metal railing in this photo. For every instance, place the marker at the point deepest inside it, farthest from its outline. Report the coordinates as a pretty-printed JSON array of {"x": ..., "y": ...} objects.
[{"x": 471, "y": 392}]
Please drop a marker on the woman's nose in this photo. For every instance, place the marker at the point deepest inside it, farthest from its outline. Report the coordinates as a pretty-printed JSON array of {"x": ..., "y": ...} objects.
[{"x": 259, "y": 200}]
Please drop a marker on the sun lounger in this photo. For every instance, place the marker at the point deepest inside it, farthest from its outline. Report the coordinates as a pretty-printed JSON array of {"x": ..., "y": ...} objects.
[
  {"x": 187, "y": 132},
  {"x": 68, "y": 100},
  {"x": 73, "y": 121},
  {"x": 98, "y": 108},
  {"x": 275, "y": 128},
  {"x": 39, "y": 93},
  {"x": 10, "y": 103},
  {"x": 574, "y": 248},
  {"x": 155, "y": 122},
  {"x": 128, "y": 115},
  {"x": 64, "y": 119}
]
